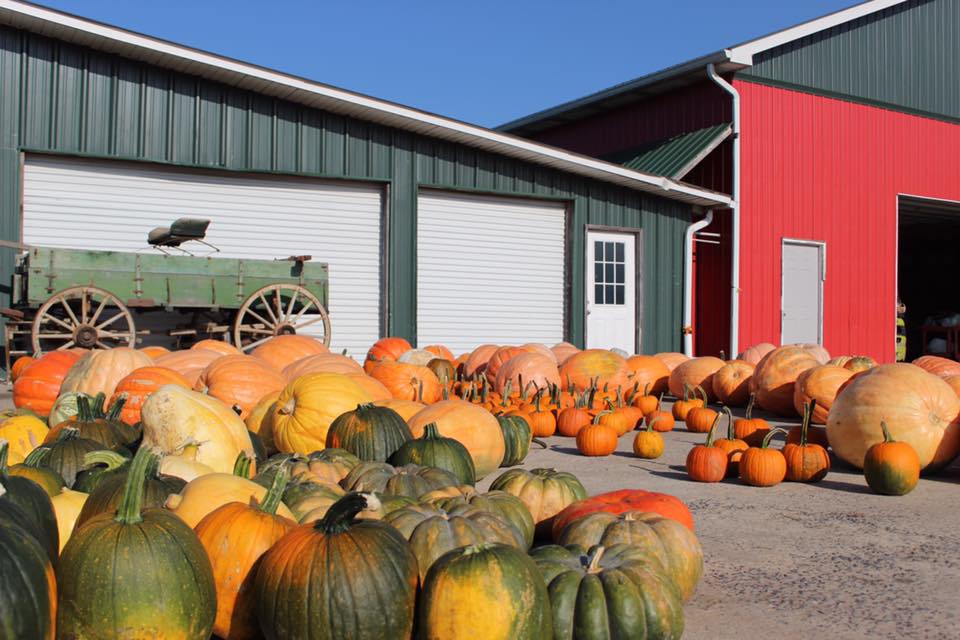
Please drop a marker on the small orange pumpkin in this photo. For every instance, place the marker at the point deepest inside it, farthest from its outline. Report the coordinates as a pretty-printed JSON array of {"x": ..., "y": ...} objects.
[
  {"x": 705, "y": 462},
  {"x": 700, "y": 419},
  {"x": 139, "y": 384},
  {"x": 749, "y": 429},
  {"x": 389, "y": 348},
  {"x": 806, "y": 462},
  {"x": 762, "y": 466},
  {"x": 733, "y": 447},
  {"x": 19, "y": 366},
  {"x": 661, "y": 421},
  {"x": 683, "y": 406},
  {"x": 597, "y": 439}
]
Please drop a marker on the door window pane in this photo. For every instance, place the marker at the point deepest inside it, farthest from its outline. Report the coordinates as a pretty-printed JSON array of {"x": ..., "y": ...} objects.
[
  {"x": 598, "y": 250},
  {"x": 609, "y": 273},
  {"x": 620, "y": 293},
  {"x": 609, "y": 251},
  {"x": 609, "y": 294},
  {"x": 620, "y": 275},
  {"x": 598, "y": 294},
  {"x": 619, "y": 252},
  {"x": 598, "y": 272}
]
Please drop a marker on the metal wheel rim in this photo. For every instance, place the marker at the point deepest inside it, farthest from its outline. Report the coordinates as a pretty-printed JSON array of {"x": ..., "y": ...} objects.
[
  {"x": 110, "y": 329},
  {"x": 273, "y": 310}
]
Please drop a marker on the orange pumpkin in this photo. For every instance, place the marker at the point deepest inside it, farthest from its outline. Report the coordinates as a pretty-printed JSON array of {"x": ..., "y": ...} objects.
[
  {"x": 499, "y": 358},
  {"x": 280, "y": 351},
  {"x": 662, "y": 421},
  {"x": 258, "y": 421},
  {"x": 648, "y": 370},
  {"x": 572, "y": 419},
  {"x": 646, "y": 402},
  {"x": 440, "y": 351},
  {"x": 604, "y": 368},
  {"x": 38, "y": 386},
  {"x": 817, "y": 351},
  {"x": 474, "y": 427},
  {"x": 686, "y": 403},
  {"x": 239, "y": 381},
  {"x": 385, "y": 349},
  {"x": 806, "y": 461},
  {"x": 597, "y": 439},
  {"x": 705, "y": 462},
  {"x": 563, "y": 350},
  {"x": 154, "y": 351},
  {"x": 671, "y": 359},
  {"x": 100, "y": 371},
  {"x": 821, "y": 384},
  {"x": 731, "y": 383},
  {"x": 755, "y": 354},
  {"x": 305, "y": 408},
  {"x": 697, "y": 372},
  {"x": 320, "y": 362},
  {"x": 190, "y": 363},
  {"x": 762, "y": 466},
  {"x": 732, "y": 446},
  {"x": 954, "y": 382},
  {"x": 218, "y": 346},
  {"x": 476, "y": 362},
  {"x": 406, "y": 408},
  {"x": 528, "y": 372},
  {"x": 700, "y": 419},
  {"x": 774, "y": 378},
  {"x": 542, "y": 349},
  {"x": 139, "y": 384},
  {"x": 749, "y": 429},
  {"x": 374, "y": 388},
  {"x": 408, "y": 381},
  {"x": 19, "y": 366},
  {"x": 940, "y": 367}
]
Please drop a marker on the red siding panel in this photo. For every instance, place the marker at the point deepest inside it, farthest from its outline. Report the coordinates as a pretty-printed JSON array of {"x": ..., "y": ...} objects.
[{"x": 823, "y": 169}]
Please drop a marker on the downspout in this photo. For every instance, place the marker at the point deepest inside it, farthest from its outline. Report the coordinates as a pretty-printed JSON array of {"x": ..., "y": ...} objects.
[
  {"x": 688, "y": 280},
  {"x": 735, "y": 214}
]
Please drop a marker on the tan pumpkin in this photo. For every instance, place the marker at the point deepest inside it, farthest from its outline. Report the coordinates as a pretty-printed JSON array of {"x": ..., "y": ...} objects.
[
  {"x": 440, "y": 351},
  {"x": 217, "y": 346},
  {"x": 918, "y": 407},
  {"x": 595, "y": 366},
  {"x": 100, "y": 371},
  {"x": 374, "y": 388},
  {"x": 696, "y": 372},
  {"x": 476, "y": 363},
  {"x": 406, "y": 408},
  {"x": 671, "y": 359},
  {"x": 239, "y": 381},
  {"x": 731, "y": 383},
  {"x": 280, "y": 351},
  {"x": 754, "y": 354},
  {"x": 184, "y": 464},
  {"x": 773, "y": 380},
  {"x": 137, "y": 387},
  {"x": 306, "y": 407},
  {"x": 542, "y": 349},
  {"x": 209, "y": 492},
  {"x": 954, "y": 382},
  {"x": 532, "y": 371},
  {"x": 321, "y": 363},
  {"x": 563, "y": 350},
  {"x": 940, "y": 367},
  {"x": 473, "y": 426},
  {"x": 260, "y": 422},
  {"x": 190, "y": 363},
  {"x": 817, "y": 351},
  {"x": 821, "y": 384},
  {"x": 174, "y": 417},
  {"x": 499, "y": 358},
  {"x": 417, "y": 356}
]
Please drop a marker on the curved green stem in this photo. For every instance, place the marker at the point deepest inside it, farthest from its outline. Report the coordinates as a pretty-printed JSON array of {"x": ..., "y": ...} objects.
[
  {"x": 242, "y": 465},
  {"x": 272, "y": 500},
  {"x": 431, "y": 432},
  {"x": 730, "y": 434},
  {"x": 114, "y": 414},
  {"x": 37, "y": 457},
  {"x": 341, "y": 515},
  {"x": 4, "y": 450},
  {"x": 111, "y": 459},
  {"x": 596, "y": 418},
  {"x": 128, "y": 511},
  {"x": 886, "y": 432},
  {"x": 767, "y": 438},
  {"x": 713, "y": 430},
  {"x": 753, "y": 399},
  {"x": 807, "y": 417}
]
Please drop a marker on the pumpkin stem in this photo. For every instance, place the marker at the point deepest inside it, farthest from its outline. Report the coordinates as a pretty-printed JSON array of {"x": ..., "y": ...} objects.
[
  {"x": 713, "y": 430},
  {"x": 272, "y": 500},
  {"x": 96, "y": 409},
  {"x": 886, "y": 432},
  {"x": 288, "y": 407},
  {"x": 723, "y": 354},
  {"x": 4, "y": 448},
  {"x": 753, "y": 399},
  {"x": 538, "y": 441},
  {"x": 129, "y": 510},
  {"x": 595, "y": 556},
  {"x": 649, "y": 423},
  {"x": 686, "y": 392},
  {"x": 341, "y": 515},
  {"x": 419, "y": 397},
  {"x": 37, "y": 457},
  {"x": 68, "y": 433},
  {"x": 596, "y": 418},
  {"x": 726, "y": 410},
  {"x": 114, "y": 414},
  {"x": 444, "y": 392},
  {"x": 431, "y": 432},
  {"x": 807, "y": 417},
  {"x": 702, "y": 394},
  {"x": 83, "y": 408},
  {"x": 242, "y": 465},
  {"x": 767, "y": 438},
  {"x": 111, "y": 459}
]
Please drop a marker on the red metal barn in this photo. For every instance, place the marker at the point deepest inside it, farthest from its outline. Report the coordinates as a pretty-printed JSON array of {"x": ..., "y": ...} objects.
[{"x": 844, "y": 133}]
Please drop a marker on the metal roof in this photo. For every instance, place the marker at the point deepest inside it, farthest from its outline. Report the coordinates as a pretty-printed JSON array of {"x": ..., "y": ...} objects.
[
  {"x": 676, "y": 156},
  {"x": 169, "y": 55},
  {"x": 686, "y": 73}
]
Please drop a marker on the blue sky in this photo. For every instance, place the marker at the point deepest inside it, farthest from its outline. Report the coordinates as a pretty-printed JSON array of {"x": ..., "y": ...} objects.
[{"x": 484, "y": 62}]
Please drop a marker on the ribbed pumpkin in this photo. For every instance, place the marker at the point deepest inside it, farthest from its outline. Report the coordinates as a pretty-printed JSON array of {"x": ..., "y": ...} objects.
[
  {"x": 374, "y": 388},
  {"x": 732, "y": 446},
  {"x": 700, "y": 419},
  {"x": 705, "y": 462},
  {"x": 648, "y": 444},
  {"x": 312, "y": 498},
  {"x": 218, "y": 346},
  {"x": 806, "y": 462},
  {"x": 674, "y": 547},
  {"x": 260, "y": 422},
  {"x": 409, "y": 480},
  {"x": 595, "y": 366},
  {"x": 33, "y": 469},
  {"x": 408, "y": 381},
  {"x": 474, "y": 427},
  {"x": 517, "y": 437},
  {"x": 563, "y": 350},
  {"x": 65, "y": 454},
  {"x": 512, "y": 605},
  {"x": 190, "y": 363},
  {"x": 24, "y": 433},
  {"x": 749, "y": 429},
  {"x": 891, "y": 468},
  {"x": 731, "y": 383},
  {"x": 100, "y": 371},
  {"x": 572, "y": 419},
  {"x": 154, "y": 351},
  {"x": 139, "y": 384},
  {"x": 306, "y": 407},
  {"x": 320, "y": 363},
  {"x": 629, "y": 590},
  {"x": 433, "y": 450},
  {"x": 406, "y": 408},
  {"x": 919, "y": 407},
  {"x": 36, "y": 505},
  {"x": 954, "y": 382},
  {"x": 661, "y": 421},
  {"x": 38, "y": 386},
  {"x": 753, "y": 355},
  {"x": 28, "y": 588},
  {"x": 622, "y": 501},
  {"x": 938, "y": 366},
  {"x": 433, "y": 531},
  {"x": 19, "y": 366},
  {"x": 774, "y": 378},
  {"x": 138, "y": 573},
  {"x": 235, "y": 536},
  {"x": 671, "y": 359},
  {"x": 94, "y": 424},
  {"x": 696, "y": 372},
  {"x": 239, "y": 381},
  {"x": 174, "y": 418},
  {"x": 499, "y": 358},
  {"x": 369, "y": 432},
  {"x": 530, "y": 371},
  {"x": 762, "y": 466},
  {"x": 477, "y": 361},
  {"x": 338, "y": 578},
  {"x": 647, "y": 370},
  {"x": 385, "y": 349},
  {"x": 329, "y": 465},
  {"x": 597, "y": 439},
  {"x": 546, "y": 492},
  {"x": 280, "y": 351},
  {"x": 508, "y": 506},
  {"x": 106, "y": 496},
  {"x": 821, "y": 384},
  {"x": 440, "y": 351}
]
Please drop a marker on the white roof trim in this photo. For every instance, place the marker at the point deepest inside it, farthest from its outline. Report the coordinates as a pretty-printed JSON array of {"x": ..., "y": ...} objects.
[{"x": 167, "y": 54}]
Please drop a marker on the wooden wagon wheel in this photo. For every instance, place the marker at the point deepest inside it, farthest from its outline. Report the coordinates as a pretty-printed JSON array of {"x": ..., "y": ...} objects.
[
  {"x": 87, "y": 317},
  {"x": 276, "y": 310}
]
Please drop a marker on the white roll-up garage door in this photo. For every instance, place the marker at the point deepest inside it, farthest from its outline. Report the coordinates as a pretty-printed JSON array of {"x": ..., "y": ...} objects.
[
  {"x": 104, "y": 205},
  {"x": 489, "y": 269}
]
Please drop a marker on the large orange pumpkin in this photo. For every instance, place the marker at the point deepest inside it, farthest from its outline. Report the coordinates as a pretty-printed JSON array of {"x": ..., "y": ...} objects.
[
  {"x": 190, "y": 363},
  {"x": 19, "y": 366},
  {"x": 499, "y": 358},
  {"x": 100, "y": 371},
  {"x": 218, "y": 346},
  {"x": 606, "y": 368},
  {"x": 440, "y": 351},
  {"x": 374, "y": 388},
  {"x": 563, "y": 350},
  {"x": 239, "y": 380},
  {"x": 474, "y": 427},
  {"x": 38, "y": 386},
  {"x": 329, "y": 362},
  {"x": 476, "y": 363},
  {"x": 154, "y": 351},
  {"x": 406, "y": 408},
  {"x": 408, "y": 381},
  {"x": 621, "y": 501},
  {"x": 671, "y": 359},
  {"x": 305, "y": 408},
  {"x": 280, "y": 351},
  {"x": 696, "y": 372},
  {"x": 532, "y": 369},
  {"x": 647, "y": 370},
  {"x": 542, "y": 349},
  {"x": 821, "y": 384},
  {"x": 954, "y": 382},
  {"x": 941, "y": 367},
  {"x": 139, "y": 384},
  {"x": 918, "y": 407},
  {"x": 816, "y": 350},
  {"x": 754, "y": 354},
  {"x": 385, "y": 349},
  {"x": 773, "y": 379},
  {"x": 731, "y": 383}
]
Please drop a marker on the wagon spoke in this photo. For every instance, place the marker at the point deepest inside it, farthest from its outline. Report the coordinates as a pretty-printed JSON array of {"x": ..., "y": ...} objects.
[
  {"x": 63, "y": 303},
  {"x": 293, "y": 300},
  {"x": 84, "y": 307},
  {"x": 66, "y": 345},
  {"x": 308, "y": 322},
  {"x": 302, "y": 311},
  {"x": 276, "y": 299},
  {"x": 96, "y": 314},
  {"x": 260, "y": 318},
  {"x": 269, "y": 310},
  {"x": 257, "y": 343},
  {"x": 110, "y": 321},
  {"x": 100, "y": 343},
  {"x": 55, "y": 336},
  {"x": 65, "y": 325}
]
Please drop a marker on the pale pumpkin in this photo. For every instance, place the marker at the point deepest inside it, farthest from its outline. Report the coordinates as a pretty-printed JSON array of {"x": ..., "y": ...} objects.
[
  {"x": 306, "y": 407},
  {"x": 671, "y": 359},
  {"x": 696, "y": 372},
  {"x": 594, "y": 366},
  {"x": 190, "y": 363},
  {"x": 477, "y": 361},
  {"x": 174, "y": 417},
  {"x": 320, "y": 363},
  {"x": 563, "y": 350},
  {"x": 239, "y": 381},
  {"x": 821, "y": 384},
  {"x": 754, "y": 354},
  {"x": 184, "y": 464},
  {"x": 406, "y": 408},
  {"x": 100, "y": 371},
  {"x": 919, "y": 409},
  {"x": 204, "y": 494},
  {"x": 280, "y": 351},
  {"x": 532, "y": 371},
  {"x": 219, "y": 346},
  {"x": 473, "y": 426},
  {"x": 773, "y": 380}
]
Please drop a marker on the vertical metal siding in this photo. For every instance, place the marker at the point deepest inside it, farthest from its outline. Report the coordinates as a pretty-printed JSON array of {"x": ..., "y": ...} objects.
[
  {"x": 823, "y": 169},
  {"x": 907, "y": 55},
  {"x": 60, "y": 98}
]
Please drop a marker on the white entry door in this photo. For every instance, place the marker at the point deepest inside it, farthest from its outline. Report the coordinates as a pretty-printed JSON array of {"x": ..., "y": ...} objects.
[
  {"x": 611, "y": 291},
  {"x": 804, "y": 270}
]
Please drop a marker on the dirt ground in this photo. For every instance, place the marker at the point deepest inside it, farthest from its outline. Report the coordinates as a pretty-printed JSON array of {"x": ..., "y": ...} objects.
[{"x": 798, "y": 561}]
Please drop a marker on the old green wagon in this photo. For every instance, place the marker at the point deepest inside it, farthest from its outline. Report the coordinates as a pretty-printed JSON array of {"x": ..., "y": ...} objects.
[{"x": 65, "y": 298}]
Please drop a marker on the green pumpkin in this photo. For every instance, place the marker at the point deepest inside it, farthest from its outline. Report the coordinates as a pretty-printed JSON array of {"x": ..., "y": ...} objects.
[
  {"x": 98, "y": 466},
  {"x": 546, "y": 492},
  {"x": 135, "y": 573},
  {"x": 303, "y": 497},
  {"x": 434, "y": 450},
  {"x": 338, "y": 578},
  {"x": 609, "y": 592},
  {"x": 671, "y": 544},
  {"x": 107, "y": 495},
  {"x": 27, "y": 585},
  {"x": 65, "y": 407},
  {"x": 33, "y": 468},
  {"x": 489, "y": 591},
  {"x": 95, "y": 424},
  {"x": 433, "y": 531},
  {"x": 34, "y": 502},
  {"x": 369, "y": 432},
  {"x": 517, "y": 437},
  {"x": 409, "y": 480},
  {"x": 65, "y": 455},
  {"x": 501, "y": 502}
]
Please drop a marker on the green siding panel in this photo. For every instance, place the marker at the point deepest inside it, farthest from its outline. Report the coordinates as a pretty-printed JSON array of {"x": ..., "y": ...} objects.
[
  {"x": 905, "y": 57},
  {"x": 675, "y": 156},
  {"x": 60, "y": 98}
]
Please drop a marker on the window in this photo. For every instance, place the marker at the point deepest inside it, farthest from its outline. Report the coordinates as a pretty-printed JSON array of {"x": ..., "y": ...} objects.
[{"x": 609, "y": 272}]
